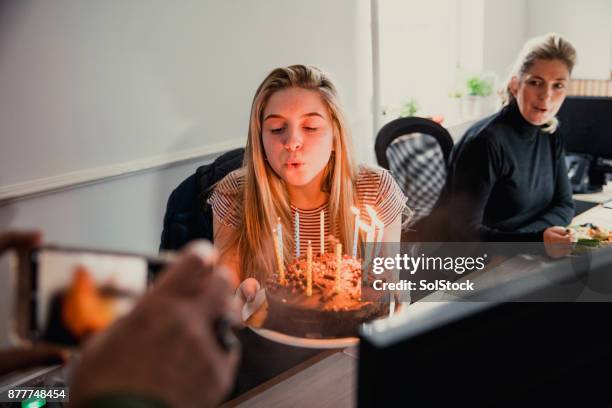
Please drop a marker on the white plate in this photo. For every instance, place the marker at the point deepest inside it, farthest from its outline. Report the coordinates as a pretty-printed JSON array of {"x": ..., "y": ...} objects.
[
  {"x": 249, "y": 309},
  {"x": 304, "y": 342}
]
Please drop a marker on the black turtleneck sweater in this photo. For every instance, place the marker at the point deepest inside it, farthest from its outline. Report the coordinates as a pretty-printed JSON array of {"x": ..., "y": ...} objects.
[{"x": 508, "y": 181}]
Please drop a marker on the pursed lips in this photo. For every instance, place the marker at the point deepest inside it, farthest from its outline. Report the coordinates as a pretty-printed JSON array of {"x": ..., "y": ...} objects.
[{"x": 294, "y": 162}]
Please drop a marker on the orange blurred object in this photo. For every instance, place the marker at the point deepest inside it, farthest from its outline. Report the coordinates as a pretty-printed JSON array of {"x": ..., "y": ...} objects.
[
  {"x": 438, "y": 119},
  {"x": 84, "y": 310}
]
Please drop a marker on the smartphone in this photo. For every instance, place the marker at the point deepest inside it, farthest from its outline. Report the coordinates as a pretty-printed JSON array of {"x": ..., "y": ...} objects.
[{"x": 65, "y": 295}]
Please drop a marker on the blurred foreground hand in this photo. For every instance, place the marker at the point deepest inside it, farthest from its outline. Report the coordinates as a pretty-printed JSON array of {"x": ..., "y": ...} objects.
[{"x": 165, "y": 350}]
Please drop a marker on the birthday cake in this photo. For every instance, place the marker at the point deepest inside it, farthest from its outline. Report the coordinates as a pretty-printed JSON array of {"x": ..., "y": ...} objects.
[{"x": 335, "y": 307}]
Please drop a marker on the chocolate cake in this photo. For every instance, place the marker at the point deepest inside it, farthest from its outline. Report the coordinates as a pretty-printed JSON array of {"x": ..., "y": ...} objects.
[{"x": 329, "y": 312}]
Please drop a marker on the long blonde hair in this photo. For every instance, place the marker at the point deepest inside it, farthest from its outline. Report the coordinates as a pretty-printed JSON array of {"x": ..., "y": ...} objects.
[
  {"x": 547, "y": 47},
  {"x": 265, "y": 196}
]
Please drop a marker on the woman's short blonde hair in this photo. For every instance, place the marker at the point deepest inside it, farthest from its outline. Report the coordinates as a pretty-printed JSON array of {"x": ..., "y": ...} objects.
[{"x": 547, "y": 47}]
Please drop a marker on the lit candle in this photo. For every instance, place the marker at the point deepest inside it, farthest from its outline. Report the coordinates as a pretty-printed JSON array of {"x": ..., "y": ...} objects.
[
  {"x": 296, "y": 229},
  {"x": 376, "y": 223},
  {"x": 355, "y": 211},
  {"x": 372, "y": 215},
  {"x": 338, "y": 265},
  {"x": 309, "y": 270},
  {"x": 322, "y": 232},
  {"x": 279, "y": 230},
  {"x": 278, "y": 250},
  {"x": 369, "y": 229}
]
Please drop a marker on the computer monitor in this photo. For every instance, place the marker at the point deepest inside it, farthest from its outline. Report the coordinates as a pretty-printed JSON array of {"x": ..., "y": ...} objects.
[
  {"x": 499, "y": 353},
  {"x": 585, "y": 123}
]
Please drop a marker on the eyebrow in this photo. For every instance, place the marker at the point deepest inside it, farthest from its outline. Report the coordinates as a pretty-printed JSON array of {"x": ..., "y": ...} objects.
[
  {"x": 558, "y": 79},
  {"x": 275, "y": 116}
]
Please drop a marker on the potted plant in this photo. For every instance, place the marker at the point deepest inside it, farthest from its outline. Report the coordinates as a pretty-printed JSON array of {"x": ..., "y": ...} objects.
[
  {"x": 479, "y": 85},
  {"x": 478, "y": 99},
  {"x": 408, "y": 108}
]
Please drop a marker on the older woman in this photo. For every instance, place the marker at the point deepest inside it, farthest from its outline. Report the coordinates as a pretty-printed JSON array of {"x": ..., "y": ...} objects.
[{"x": 508, "y": 180}]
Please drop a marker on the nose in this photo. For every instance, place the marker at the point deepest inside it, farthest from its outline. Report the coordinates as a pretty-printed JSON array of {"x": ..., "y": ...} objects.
[
  {"x": 294, "y": 139},
  {"x": 546, "y": 93}
]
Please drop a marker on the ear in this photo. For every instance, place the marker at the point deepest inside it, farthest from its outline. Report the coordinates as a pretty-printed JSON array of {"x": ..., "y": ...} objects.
[{"x": 514, "y": 85}]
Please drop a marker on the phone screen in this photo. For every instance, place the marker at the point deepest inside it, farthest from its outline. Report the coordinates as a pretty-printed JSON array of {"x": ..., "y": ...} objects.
[{"x": 77, "y": 294}]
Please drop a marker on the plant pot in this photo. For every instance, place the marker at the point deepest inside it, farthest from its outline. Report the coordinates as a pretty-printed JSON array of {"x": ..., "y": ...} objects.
[
  {"x": 473, "y": 106},
  {"x": 470, "y": 106}
]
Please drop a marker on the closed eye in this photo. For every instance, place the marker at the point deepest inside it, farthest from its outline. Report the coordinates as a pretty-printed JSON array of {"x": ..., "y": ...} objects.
[
  {"x": 277, "y": 130},
  {"x": 310, "y": 129}
]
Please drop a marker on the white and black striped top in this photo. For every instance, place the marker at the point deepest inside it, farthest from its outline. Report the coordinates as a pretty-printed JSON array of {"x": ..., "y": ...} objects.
[{"x": 375, "y": 187}]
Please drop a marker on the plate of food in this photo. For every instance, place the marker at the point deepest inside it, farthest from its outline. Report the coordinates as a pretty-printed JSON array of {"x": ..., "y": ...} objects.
[
  {"x": 325, "y": 314},
  {"x": 589, "y": 235}
]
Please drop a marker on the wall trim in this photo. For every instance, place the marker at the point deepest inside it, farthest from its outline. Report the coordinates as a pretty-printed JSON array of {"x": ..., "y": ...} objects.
[{"x": 68, "y": 181}]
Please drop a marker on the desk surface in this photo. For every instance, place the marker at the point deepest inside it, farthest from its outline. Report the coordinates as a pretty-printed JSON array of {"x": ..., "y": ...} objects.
[
  {"x": 327, "y": 380},
  {"x": 601, "y": 197},
  {"x": 599, "y": 215}
]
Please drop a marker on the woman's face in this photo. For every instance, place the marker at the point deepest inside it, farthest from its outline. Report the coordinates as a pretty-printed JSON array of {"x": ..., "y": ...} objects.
[
  {"x": 541, "y": 90},
  {"x": 297, "y": 135}
]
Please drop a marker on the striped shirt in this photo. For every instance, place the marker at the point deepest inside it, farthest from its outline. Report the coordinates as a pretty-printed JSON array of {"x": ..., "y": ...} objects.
[{"x": 375, "y": 187}]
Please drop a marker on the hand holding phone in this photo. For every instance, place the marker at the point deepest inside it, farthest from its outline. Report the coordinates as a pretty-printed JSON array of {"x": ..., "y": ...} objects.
[{"x": 167, "y": 347}]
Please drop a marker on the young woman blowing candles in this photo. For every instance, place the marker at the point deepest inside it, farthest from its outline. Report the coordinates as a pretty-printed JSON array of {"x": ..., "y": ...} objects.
[
  {"x": 508, "y": 180},
  {"x": 298, "y": 182}
]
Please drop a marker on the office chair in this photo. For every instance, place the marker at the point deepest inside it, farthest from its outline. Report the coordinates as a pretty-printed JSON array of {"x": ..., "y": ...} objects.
[
  {"x": 416, "y": 151},
  {"x": 188, "y": 216}
]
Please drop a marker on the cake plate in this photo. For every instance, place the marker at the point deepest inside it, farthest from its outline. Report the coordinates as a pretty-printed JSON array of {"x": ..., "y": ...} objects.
[{"x": 254, "y": 314}]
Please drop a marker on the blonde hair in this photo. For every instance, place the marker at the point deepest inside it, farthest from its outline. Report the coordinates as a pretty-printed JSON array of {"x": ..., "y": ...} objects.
[
  {"x": 547, "y": 47},
  {"x": 265, "y": 197}
]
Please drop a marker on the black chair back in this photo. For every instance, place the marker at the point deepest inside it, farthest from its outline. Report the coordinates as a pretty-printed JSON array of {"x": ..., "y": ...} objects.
[
  {"x": 416, "y": 151},
  {"x": 188, "y": 216},
  {"x": 405, "y": 126}
]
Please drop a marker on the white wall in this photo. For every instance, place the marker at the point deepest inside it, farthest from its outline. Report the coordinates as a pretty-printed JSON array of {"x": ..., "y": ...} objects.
[
  {"x": 416, "y": 59},
  {"x": 85, "y": 84},
  {"x": 427, "y": 49},
  {"x": 505, "y": 31},
  {"x": 88, "y": 83},
  {"x": 587, "y": 24},
  {"x": 470, "y": 16}
]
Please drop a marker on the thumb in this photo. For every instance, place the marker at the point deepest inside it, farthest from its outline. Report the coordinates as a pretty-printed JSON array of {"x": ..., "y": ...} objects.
[
  {"x": 249, "y": 288},
  {"x": 190, "y": 271},
  {"x": 558, "y": 230}
]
